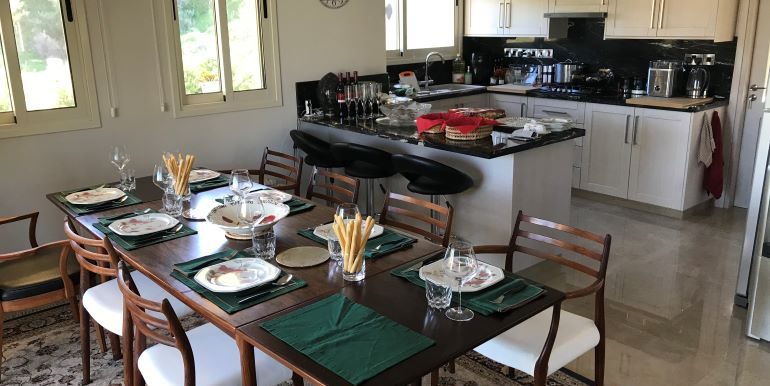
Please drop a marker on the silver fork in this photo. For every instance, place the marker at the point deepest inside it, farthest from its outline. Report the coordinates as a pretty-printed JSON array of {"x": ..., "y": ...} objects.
[{"x": 499, "y": 299}]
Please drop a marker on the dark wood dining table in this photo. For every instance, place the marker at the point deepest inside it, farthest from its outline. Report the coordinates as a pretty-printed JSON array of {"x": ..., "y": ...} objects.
[{"x": 379, "y": 291}]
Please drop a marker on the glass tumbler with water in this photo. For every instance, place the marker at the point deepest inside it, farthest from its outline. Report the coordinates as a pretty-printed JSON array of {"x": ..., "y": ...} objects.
[{"x": 439, "y": 295}]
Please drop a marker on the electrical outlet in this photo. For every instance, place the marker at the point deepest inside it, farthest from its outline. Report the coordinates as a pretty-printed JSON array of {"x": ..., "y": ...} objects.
[
  {"x": 544, "y": 53},
  {"x": 513, "y": 52},
  {"x": 693, "y": 59},
  {"x": 709, "y": 59}
]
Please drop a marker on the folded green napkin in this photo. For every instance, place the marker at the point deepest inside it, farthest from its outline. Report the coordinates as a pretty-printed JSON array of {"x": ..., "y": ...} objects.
[
  {"x": 101, "y": 207},
  {"x": 351, "y": 340},
  {"x": 130, "y": 243},
  {"x": 391, "y": 241},
  {"x": 213, "y": 183},
  {"x": 297, "y": 206},
  {"x": 480, "y": 301},
  {"x": 228, "y": 302}
]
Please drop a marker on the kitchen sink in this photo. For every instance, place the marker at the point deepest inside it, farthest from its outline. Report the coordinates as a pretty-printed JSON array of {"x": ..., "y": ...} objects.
[{"x": 448, "y": 88}]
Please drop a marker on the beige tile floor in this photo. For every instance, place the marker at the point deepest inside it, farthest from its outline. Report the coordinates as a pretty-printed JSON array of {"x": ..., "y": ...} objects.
[{"x": 669, "y": 298}]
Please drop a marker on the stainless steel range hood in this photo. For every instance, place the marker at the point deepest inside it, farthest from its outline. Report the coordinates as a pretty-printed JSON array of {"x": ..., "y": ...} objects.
[{"x": 576, "y": 15}]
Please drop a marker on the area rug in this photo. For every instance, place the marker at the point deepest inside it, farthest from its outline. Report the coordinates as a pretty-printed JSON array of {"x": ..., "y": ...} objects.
[{"x": 44, "y": 349}]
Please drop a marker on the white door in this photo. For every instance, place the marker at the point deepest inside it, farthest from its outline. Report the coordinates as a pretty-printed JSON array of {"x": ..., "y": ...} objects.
[
  {"x": 484, "y": 17},
  {"x": 606, "y": 149},
  {"x": 525, "y": 18},
  {"x": 514, "y": 106},
  {"x": 687, "y": 18},
  {"x": 759, "y": 77},
  {"x": 577, "y": 5},
  {"x": 658, "y": 160},
  {"x": 631, "y": 18}
]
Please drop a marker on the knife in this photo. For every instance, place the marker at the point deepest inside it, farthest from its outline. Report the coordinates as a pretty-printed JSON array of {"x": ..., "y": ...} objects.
[{"x": 258, "y": 294}]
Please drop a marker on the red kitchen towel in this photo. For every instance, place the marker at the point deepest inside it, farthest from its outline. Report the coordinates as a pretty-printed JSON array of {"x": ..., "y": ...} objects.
[
  {"x": 428, "y": 121},
  {"x": 713, "y": 180},
  {"x": 466, "y": 125}
]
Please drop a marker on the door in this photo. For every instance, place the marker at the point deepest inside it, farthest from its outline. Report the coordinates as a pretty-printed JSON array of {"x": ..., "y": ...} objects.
[
  {"x": 514, "y": 106},
  {"x": 687, "y": 18},
  {"x": 484, "y": 17},
  {"x": 606, "y": 149},
  {"x": 525, "y": 17},
  {"x": 632, "y": 18},
  {"x": 577, "y": 6},
  {"x": 659, "y": 157}
]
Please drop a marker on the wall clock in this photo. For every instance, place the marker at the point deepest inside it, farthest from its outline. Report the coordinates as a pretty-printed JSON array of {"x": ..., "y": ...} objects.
[{"x": 333, "y": 4}]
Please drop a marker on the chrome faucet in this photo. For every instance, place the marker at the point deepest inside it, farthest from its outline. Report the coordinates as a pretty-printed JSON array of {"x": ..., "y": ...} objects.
[{"x": 427, "y": 65}]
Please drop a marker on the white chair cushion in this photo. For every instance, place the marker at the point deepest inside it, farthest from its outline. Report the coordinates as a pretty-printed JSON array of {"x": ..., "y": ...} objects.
[
  {"x": 520, "y": 346},
  {"x": 104, "y": 302},
  {"x": 217, "y": 362}
]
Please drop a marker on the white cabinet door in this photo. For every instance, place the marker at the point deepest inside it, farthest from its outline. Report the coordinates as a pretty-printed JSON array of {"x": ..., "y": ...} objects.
[
  {"x": 514, "y": 106},
  {"x": 632, "y": 18},
  {"x": 606, "y": 149},
  {"x": 687, "y": 18},
  {"x": 485, "y": 17},
  {"x": 659, "y": 157},
  {"x": 577, "y": 5},
  {"x": 525, "y": 18}
]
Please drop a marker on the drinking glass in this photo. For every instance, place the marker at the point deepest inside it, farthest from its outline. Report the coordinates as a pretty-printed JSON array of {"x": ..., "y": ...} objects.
[
  {"x": 460, "y": 265},
  {"x": 350, "y": 100},
  {"x": 120, "y": 157},
  {"x": 240, "y": 182},
  {"x": 128, "y": 180},
  {"x": 334, "y": 246},
  {"x": 439, "y": 295},
  {"x": 250, "y": 211},
  {"x": 264, "y": 245},
  {"x": 172, "y": 203},
  {"x": 365, "y": 100},
  {"x": 161, "y": 177},
  {"x": 355, "y": 275},
  {"x": 374, "y": 99},
  {"x": 348, "y": 211}
]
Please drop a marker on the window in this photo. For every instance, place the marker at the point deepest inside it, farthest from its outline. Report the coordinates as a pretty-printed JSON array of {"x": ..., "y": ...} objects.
[
  {"x": 224, "y": 55},
  {"x": 415, "y": 27},
  {"x": 46, "y": 76}
]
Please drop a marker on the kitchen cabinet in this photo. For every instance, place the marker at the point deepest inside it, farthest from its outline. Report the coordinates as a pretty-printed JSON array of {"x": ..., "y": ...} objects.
[
  {"x": 672, "y": 19},
  {"x": 514, "y": 106},
  {"x": 570, "y": 6},
  {"x": 484, "y": 17},
  {"x": 555, "y": 108},
  {"x": 506, "y": 18},
  {"x": 606, "y": 149}
]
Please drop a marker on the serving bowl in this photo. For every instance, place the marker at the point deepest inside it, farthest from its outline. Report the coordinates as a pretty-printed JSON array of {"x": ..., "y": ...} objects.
[
  {"x": 225, "y": 217},
  {"x": 404, "y": 113}
]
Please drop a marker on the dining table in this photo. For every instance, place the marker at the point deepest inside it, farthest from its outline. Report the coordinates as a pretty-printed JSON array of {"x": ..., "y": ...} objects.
[{"x": 381, "y": 291}]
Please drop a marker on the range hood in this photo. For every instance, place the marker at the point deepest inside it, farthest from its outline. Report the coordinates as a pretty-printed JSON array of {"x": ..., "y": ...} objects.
[{"x": 576, "y": 15}]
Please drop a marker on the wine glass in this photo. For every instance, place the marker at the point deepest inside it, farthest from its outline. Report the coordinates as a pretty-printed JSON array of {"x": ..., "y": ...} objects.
[
  {"x": 348, "y": 211},
  {"x": 120, "y": 157},
  {"x": 460, "y": 265},
  {"x": 350, "y": 100},
  {"x": 250, "y": 211},
  {"x": 240, "y": 182},
  {"x": 161, "y": 177}
]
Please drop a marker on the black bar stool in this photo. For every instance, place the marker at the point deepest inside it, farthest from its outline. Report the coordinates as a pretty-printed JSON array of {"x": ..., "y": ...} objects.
[
  {"x": 430, "y": 178},
  {"x": 366, "y": 163},
  {"x": 318, "y": 151}
]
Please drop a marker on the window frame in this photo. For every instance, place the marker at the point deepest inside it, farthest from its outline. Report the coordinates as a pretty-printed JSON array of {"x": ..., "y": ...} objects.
[
  {"x": 85, "y": 113},
  {"x": 227, "y": 100},
  {"x": 405, "y": 55}
]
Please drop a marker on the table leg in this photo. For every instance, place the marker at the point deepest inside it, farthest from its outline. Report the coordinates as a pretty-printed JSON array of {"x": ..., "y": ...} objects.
[
  {"x": 248, "y": 372},
  {"x": 541, "y": 366}
]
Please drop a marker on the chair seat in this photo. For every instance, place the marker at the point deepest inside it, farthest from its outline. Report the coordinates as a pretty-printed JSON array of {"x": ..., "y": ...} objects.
[
  {"x": 328, "y": 163},
  {"x": 104, "y": 302},
  {"x": 361, "y": 169},
  {"x": 428, "y": 186},
  {"x": 217, "y": 362},
  {"x": 520, "y": 346},
  {"x": 34, "y": 275}
]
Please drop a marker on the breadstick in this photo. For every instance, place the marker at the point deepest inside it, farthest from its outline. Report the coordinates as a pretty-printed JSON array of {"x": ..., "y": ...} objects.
[
  {"x": 359, "y": 261},
  {"x": 354, "y": 242},
  {"x": 338, "y": 232},
  {"x": 349, "y": 245}
]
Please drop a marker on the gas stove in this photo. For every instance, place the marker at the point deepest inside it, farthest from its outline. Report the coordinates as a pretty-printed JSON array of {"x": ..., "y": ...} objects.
[{"x": 574, "y": 92}]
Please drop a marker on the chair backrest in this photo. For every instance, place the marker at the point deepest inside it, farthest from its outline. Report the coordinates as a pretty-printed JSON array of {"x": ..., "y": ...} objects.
[
  {"x": 398, "y": 204},
  {"x": 141, "y": 317},
  {"x": 286, "y": 168},
  {"x": 334, "y": 188},
  {"x": 93, "y": 255},
  {"x": 32, "y": 225}
]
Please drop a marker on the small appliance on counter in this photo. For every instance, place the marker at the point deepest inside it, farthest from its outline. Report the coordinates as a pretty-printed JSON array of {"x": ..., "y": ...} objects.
[
  {"x": 698, "y": 83},
  {"x": 663, "y": 78}
]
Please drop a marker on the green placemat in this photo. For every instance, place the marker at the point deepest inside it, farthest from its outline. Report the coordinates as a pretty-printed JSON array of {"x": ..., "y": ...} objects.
[
  {"x": 517, "y": 290},
  {"x": 353, "y": 341},
  {"x": 213, "y": 183},
  {"x": 391, "y": 241},
  {"x": 130, "y": 243},
  {"x": 87, "y": 209},
  {"x": 228, "y": 302}
]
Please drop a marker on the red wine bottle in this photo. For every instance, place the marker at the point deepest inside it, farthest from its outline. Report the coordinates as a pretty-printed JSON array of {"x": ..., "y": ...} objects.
[
  {"x": 341, "y": 98},
  {"x": 355, "y": 77}
]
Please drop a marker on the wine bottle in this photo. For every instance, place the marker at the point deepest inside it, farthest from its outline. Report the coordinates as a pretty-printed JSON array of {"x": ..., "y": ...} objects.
[
  {"x": 341, "y": 99},
  {"x": 348, "y": 82},
  {"x": 355, "y": 77}
]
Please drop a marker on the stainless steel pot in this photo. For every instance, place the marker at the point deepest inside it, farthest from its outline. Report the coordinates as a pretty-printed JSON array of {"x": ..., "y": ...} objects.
[{"x": 563, "y": 72}]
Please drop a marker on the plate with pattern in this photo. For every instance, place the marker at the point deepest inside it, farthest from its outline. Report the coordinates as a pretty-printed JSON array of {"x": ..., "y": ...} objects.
[
  {"x": 271, "y": 195},
  {"x": 144, "y": 224},
  {"x": 323, "y": 231},
  {"x": 200, "y": 175},
  {"x": 94, "y": 196},
  {"x": 237, "y": 275},
  {"x": 487, "y": 275}
]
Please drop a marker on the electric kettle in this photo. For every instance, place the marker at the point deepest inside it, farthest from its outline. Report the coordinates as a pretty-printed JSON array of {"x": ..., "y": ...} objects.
[{"x": 698, "y": 83}]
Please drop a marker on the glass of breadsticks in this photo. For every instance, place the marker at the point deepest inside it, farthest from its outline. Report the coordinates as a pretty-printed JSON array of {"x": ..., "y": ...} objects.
[
  {"x": 353, "y": 235},
  {"x": 179, "y": 189}
]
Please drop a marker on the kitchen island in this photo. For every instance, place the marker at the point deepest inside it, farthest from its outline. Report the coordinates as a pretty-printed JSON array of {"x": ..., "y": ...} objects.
[{"x": 508, "y": 175}]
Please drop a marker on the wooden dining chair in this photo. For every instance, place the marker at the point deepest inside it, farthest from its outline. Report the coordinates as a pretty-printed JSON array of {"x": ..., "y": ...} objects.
[
  {"x": 334, "y": 188},
  {"x": 284, "y": 167},
  {"x": 103, "y": 302},
  {"x": 405, "y": 209},
  {"x": 202, "y": 356},
  {"x": 32, "y": 277},
  {"x": 524, "y": 347}
]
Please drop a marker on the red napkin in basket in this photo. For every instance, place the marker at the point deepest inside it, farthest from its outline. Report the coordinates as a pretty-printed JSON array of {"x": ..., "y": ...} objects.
[
  {"x": 427, "y": 121},
  {"x": 466, "y": 125}
]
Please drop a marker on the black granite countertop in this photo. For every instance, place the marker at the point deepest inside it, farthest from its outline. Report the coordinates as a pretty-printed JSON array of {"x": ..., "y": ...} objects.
[
  {"x": 453, "y": 94},
  {"x": 483, "y": 148},
  {"x": 617, "y": 101}
]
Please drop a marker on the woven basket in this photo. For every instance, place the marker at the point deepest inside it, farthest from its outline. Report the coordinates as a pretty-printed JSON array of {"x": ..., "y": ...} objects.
[
  {"x": 436, "y": 129},
  {"x": 480, "y": 133}
]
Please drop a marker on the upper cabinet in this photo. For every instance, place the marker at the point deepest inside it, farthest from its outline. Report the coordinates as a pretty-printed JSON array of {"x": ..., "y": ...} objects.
[
  {"x": 506, "y": 18},
  {"x": 672, "y": 19},
  {"x": 571, "y": 6}
]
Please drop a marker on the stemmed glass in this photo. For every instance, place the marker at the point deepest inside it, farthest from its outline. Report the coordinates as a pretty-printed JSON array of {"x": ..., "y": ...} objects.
[
  {"x": 250, "y": 212},
  {"x": 120, "y": 157},
  {"x": 348, "y": 211},
  {"x": 366, "y": 101},
  {"x": 240, "y": 182},
  {"x": 162, "y": 179},
  {"x": 350, "y": 100},
  {"x": 460, "y": 264}
]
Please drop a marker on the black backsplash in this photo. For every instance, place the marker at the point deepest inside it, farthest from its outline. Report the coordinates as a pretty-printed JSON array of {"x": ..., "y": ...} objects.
[
  {"x": 585, "y": 43},
  {"x": 309, "y": 90}
]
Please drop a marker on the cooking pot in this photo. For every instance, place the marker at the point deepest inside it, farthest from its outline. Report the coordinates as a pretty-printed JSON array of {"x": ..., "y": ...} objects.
[{"x": 563, "y": 72}]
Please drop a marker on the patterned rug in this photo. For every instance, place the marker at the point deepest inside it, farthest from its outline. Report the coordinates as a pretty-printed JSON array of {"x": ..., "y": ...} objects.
[{"x": 44, "y": 349}]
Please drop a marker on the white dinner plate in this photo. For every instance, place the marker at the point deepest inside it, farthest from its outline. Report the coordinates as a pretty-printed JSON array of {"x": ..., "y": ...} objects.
[
  {"x": 515, "y": 122},
  {"x": 237, "y": 275},
  {"x": 200, "y": 175},
  {"x": 94, "y": 196},
  {"x": 487, "y": 275},
  {"x": 271, "y": 194},
  {"x": 322, "y": 231},
  {"x": 143, "y": 224}
]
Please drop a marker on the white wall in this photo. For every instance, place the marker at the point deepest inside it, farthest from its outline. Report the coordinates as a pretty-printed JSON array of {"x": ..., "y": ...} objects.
[{"x": 314, "y": 40}]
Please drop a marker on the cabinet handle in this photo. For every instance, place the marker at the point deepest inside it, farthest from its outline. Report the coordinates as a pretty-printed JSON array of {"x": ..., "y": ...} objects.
[
  {"x": 652, "y": 15},
  {"x": 660, "y": 15},
  {"x": 555, "y": 112},
  {"x": 508, "y": 15},
  {"x": 625, "y": 136},
  {"x": 501, "y": 16},
  {"x": 636, "y": 129},
  {"x": 604, "y": 2}
]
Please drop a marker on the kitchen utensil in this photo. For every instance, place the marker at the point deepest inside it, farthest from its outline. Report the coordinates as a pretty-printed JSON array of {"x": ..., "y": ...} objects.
[
  {"x": 565, "y": 71},
  {"x": 698, "y": 83},
  {"x": 280, "y": 283},
  {"x": 671, "y": 103},
  {"x": 663, "y": 78}
]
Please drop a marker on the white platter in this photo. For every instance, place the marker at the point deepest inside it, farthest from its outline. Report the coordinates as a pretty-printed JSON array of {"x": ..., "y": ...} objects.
[
  {"x": 143, "y": 224},
  {"x": 488, "y": 275},
  {"x": 200, "y": 175},
  {"x": 515, "y": 122},
  {"x": 323, "y": 231},
  {"x": 237, "y": 275},
  {"x": 271, "y": 194},
  {"x": 94, "y": 196},
  {"x": 226, "y": 217}
]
